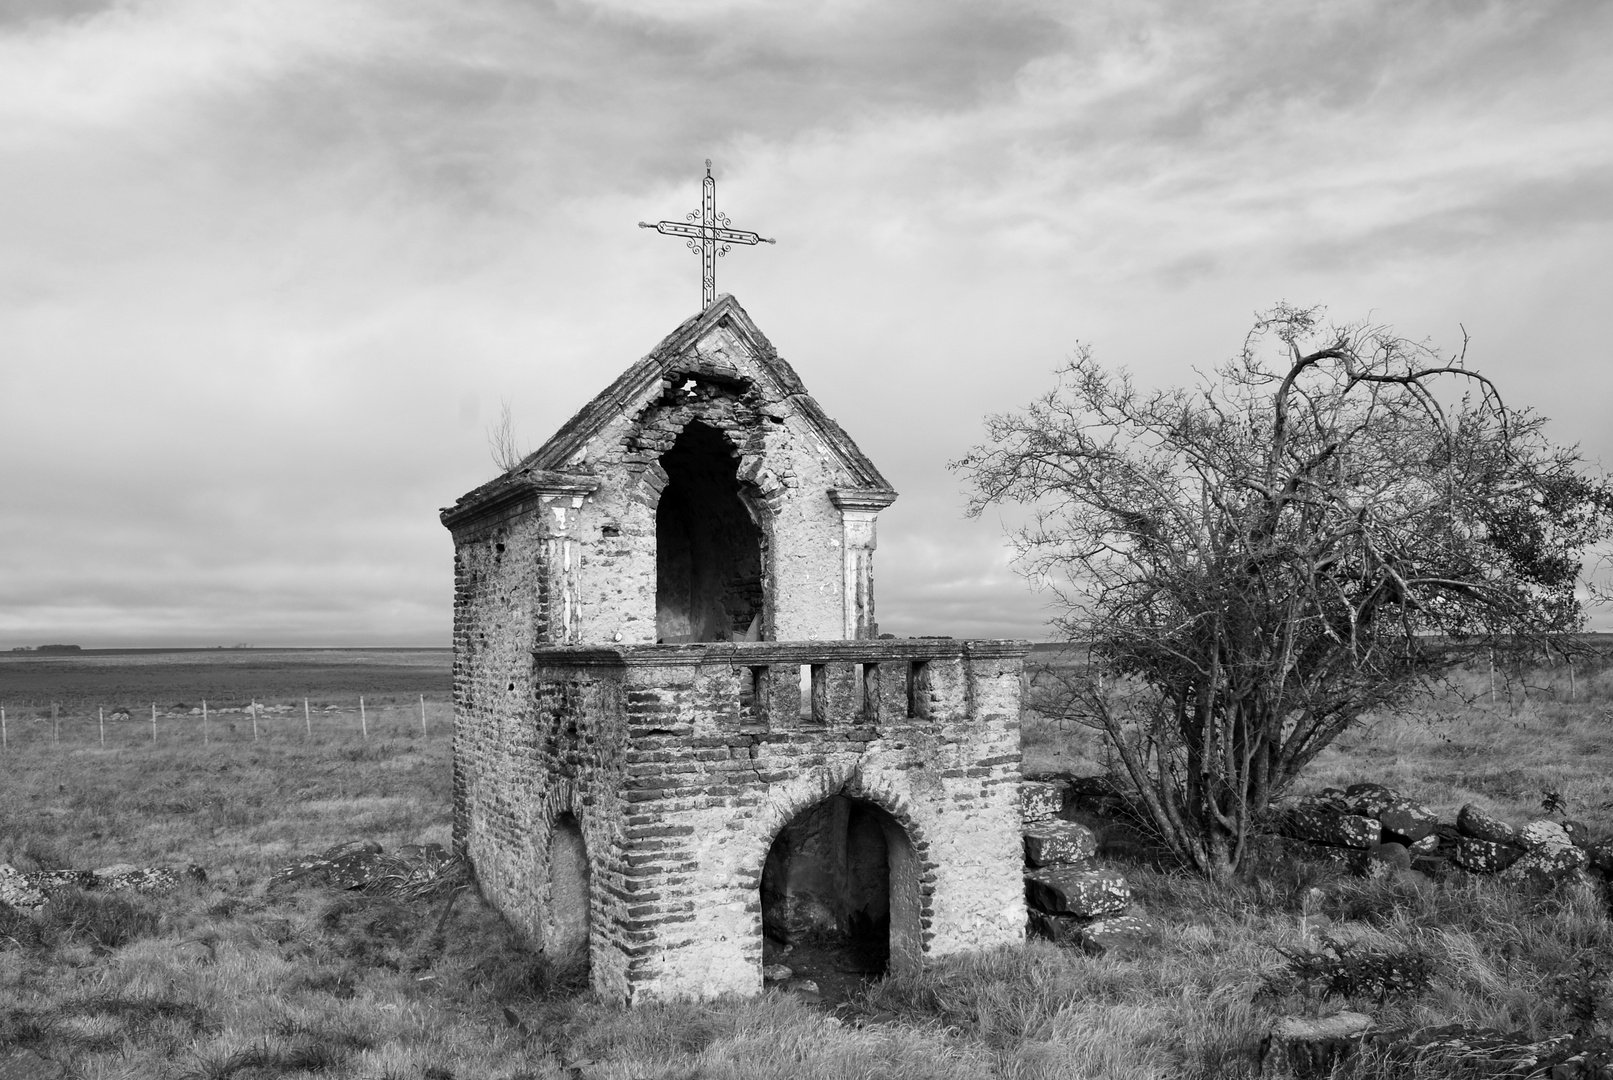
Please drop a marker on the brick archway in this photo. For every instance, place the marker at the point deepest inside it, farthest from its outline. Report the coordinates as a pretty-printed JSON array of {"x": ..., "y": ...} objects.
[{"x": 844, "y": 855}]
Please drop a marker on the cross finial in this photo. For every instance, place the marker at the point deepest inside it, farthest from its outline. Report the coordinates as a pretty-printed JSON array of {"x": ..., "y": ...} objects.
[{"x": 709, "y": 239}]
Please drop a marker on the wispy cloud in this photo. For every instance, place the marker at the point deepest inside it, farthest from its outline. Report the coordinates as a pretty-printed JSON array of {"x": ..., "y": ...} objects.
[{"x": 266, "y": 269}]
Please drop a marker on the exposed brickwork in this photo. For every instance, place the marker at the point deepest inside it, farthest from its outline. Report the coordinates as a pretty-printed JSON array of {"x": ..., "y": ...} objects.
[{"x": 682, "y": 763}]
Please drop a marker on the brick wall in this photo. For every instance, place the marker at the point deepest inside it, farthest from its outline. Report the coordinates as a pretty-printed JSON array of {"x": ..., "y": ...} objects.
[{"x": 680, "y": 792}]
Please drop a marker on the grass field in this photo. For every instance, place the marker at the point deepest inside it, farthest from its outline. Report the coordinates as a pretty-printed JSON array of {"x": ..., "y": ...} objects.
[{"x": 230, "y": 978}]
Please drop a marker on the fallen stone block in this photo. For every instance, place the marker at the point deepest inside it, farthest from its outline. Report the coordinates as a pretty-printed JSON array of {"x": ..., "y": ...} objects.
[
  {"x": 1544, "y": 836},
  {"x": 1405, "y": 821},
  {"x": 1086, "y": 893},
  {"x": 1117, "y": 935},
  {"x": 1424, "y": 846},
  {"x": 347, "y": 866},
  {"x": 1545, "y": 866},
  {"x": 1600, "y": 854},
  {"x": 1471, "y": 821},
  {"x": 1326, "y": 826},
  {"x": 1059, "y": 843},
  {"x": 1040, "y": 800},
  {"x": 1484, "y": 856},
  {"x": 1385, "y": 860},
  {"x": 1303, "y": 1046},
  {"x": 16, "y": 891},
  {"x": 1368, "y": 800},
  {"x": 53, "y": 881}
]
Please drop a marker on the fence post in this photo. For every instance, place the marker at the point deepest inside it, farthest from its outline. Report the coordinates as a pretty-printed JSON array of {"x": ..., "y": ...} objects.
[
  {"x": 362, "y": 720},
  {"x": 153, "y": 721},
  {"x": 204, "y": 721},
  {"x": 101, "y": 712},
  {"x": 5, "y": 740},
  {"x": 306, "y": 722},
  {"x": 422, "y": 716},
  {"x": 254, "y": 720},
  {"x": 55, "y": 726},
  {"x": 1571, "y": 680}
]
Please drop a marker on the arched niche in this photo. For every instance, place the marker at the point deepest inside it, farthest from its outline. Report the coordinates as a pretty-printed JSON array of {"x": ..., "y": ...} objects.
[
  {"x": 708, "y": 546},
  {"x": 842, "y": 878},
  {"x": 565, "y": 930}
]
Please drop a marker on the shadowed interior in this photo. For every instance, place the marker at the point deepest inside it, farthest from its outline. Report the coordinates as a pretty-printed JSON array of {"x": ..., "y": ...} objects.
[
  {"x": 708, "y": 556},
  {"x": 843, "y": 875}
]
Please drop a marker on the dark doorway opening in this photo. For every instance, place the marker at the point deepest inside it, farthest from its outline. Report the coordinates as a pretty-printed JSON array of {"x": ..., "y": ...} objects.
[
  {"x": 708, "y": 549},
  {"x": 840, "y": 897},
  {"x": 565, "y": 930}
]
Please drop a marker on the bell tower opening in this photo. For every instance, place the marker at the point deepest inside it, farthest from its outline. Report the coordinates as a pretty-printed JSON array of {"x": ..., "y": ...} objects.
[{"x": 708, "y": 548}]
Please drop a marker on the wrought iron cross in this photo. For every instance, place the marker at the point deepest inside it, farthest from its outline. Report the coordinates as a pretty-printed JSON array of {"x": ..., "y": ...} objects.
[{"x": 710, "y": 238}]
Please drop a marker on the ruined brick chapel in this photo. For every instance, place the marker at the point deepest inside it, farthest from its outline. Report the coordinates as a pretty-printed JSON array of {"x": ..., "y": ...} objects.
[{"x": 679, "y": 741}]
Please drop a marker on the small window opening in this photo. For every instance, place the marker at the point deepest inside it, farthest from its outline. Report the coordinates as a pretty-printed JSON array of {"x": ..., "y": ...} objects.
[
  {"x": 806, "y": 690},
  {"x": 610, "y": 530},
  {"x": 753, "y": 696},
  {"x": 868, "y": 692},
  {"x": 918, "y": 689}
]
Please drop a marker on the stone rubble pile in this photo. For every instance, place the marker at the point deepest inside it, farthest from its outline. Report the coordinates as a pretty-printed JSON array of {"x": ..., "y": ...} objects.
[
  {"x": 32, "y": 890},
  {"x": 1314, "y": 1048},
  {"x": 1070, "y": 899},
  {"x": 1373, "y": 830}
]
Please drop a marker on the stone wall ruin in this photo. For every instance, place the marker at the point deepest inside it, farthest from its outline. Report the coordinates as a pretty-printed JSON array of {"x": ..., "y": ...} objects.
[{"x": 677, "y": 733}]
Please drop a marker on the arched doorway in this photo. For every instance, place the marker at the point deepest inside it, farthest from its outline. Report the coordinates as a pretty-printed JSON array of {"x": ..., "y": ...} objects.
[
  {"x": 840, "y": 894},
  {"x": 708, "y": 549},
  {"x": 565, "y": 929}
]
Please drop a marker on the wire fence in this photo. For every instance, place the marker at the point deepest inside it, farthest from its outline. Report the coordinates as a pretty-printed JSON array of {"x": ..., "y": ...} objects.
[{"x": 41, "y": 724}]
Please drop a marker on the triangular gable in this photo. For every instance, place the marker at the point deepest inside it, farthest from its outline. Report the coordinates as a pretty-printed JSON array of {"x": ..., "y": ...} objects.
[
  {"x": 558, "y": 459},
  {"x": 639, "y": 383}
]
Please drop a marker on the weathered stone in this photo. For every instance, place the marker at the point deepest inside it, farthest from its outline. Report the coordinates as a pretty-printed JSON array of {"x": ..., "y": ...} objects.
[
  {"x": 1544, "y": 836},
  {"x": 1303, "y": 1047},
  {"x": 1386, "y": 859},
  {"x": 777, "y": 972},
  {"x": 1484, "y": 856},
  {"x": 1368, "y": 800},
  {"x": 1600, "y": 854},
  {"x": 1547, "y": 865},
  {"x": 1474, "y": 822},
  {"x": 1087, "y": 893},
  {"x": 1059, "y": 843},
  {"x": 1406, "y": 821},
  {"x": 1117, "y": 935},
  {"x": 144, "y": 879},
  {"x": 1577, "y": 831},
  {"x": 1324, "y": 826},
  {"x": 1040, "y": 800},
  {"x": 16, "y": 891},
  {"x": 349, "y": 865},
  {"x": 53, "y": 881},
  {"x": 1424, "y": 846}
]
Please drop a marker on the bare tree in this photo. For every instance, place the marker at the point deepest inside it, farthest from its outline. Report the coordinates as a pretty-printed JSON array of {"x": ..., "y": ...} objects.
[
  {"x": 1333, "y": 518},
  {"x": 501, "y": 441}
]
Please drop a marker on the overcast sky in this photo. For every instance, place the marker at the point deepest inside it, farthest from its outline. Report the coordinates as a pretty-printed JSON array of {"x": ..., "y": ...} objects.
[{"x": 268, "y": 267}]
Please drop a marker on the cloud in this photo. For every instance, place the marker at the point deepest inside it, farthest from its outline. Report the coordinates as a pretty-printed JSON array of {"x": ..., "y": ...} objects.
[{"x": 267, "y": 268}]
